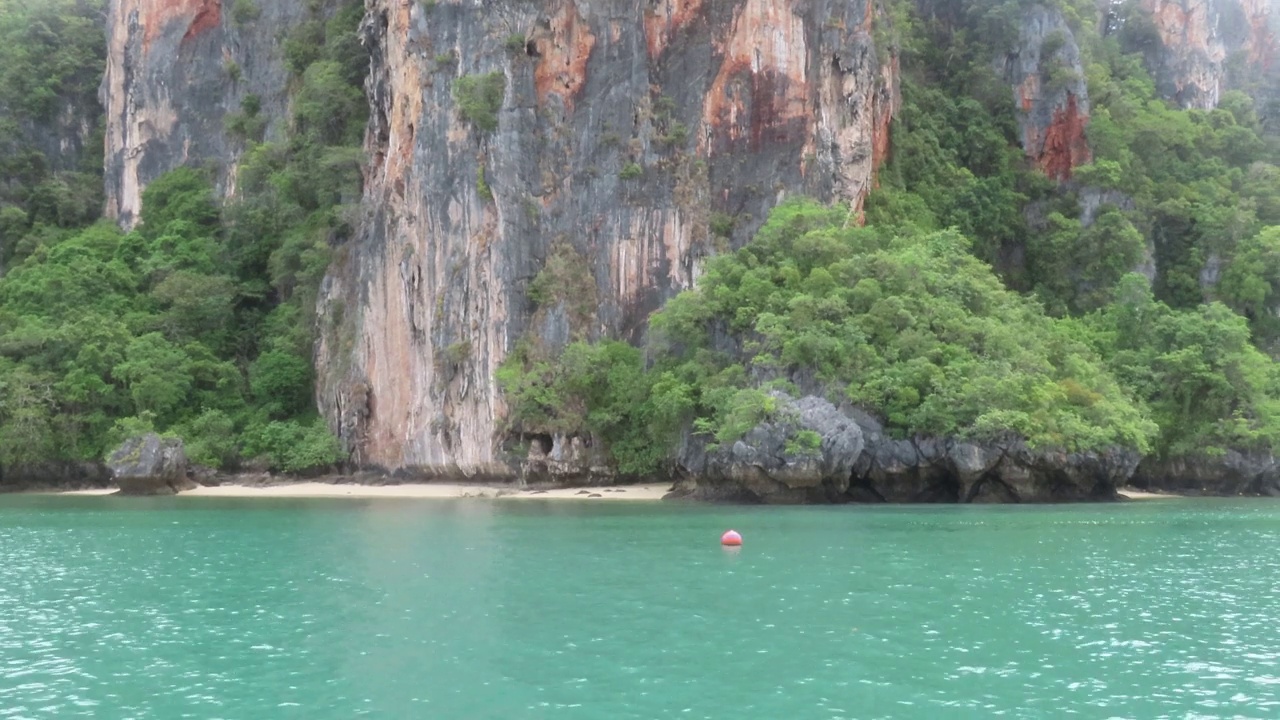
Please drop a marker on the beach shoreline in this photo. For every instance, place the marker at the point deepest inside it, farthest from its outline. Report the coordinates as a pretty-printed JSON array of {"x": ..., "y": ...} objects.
[
  {"x": 649, "y": 492},
  {"x": 434, "y": 491},
  {"x": 1130, "y": 493}
]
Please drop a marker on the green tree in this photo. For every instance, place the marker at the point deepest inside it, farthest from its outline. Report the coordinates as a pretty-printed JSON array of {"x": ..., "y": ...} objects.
[
  {"x": 1075, "y": 269},
  {"x": 281, "y": 382},
  {"x": 200, "y": 322},
  {"x": 157, "y": 375},
  {"x": 27, "y": 408},
  {"x": 1251, "y": 285},
  {"x": 1207, "y": 386},
  {"x": 210, "y": 439},
  {"x": 328, "y": 109},
  {"x": 183, "y": 195},
  {"x": 196, "y": 306}
]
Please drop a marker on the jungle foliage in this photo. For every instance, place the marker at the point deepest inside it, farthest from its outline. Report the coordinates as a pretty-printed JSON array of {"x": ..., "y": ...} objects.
[{"x": 199, "y": 323}]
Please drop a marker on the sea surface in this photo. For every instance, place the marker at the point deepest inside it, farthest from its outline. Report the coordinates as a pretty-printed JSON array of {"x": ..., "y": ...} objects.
[{"x": 284, "y": 608}]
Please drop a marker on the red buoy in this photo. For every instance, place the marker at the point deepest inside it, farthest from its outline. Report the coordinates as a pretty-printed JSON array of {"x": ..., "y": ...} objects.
[{"x": 731, "y": 538}]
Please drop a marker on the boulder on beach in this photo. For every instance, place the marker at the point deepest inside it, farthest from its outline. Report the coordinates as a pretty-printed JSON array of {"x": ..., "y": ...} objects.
[{"x": 150, "y": 465}]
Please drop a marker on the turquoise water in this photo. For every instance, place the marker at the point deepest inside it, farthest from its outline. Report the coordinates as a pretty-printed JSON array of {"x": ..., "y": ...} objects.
[{"x": 274, "y": 608}]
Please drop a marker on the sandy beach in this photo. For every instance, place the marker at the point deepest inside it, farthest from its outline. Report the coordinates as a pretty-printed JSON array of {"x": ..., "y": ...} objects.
[
  {"x": 423, "y": 490},
  {"x": 1136, "y": 494}
]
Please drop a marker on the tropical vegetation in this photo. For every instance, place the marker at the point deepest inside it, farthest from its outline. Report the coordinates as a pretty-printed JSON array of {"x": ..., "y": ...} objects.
[{"x": 199, "y": 323}]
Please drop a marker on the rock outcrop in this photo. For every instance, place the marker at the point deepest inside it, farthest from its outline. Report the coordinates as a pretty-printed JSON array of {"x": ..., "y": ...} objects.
[
  {"x": 623, "y": 130},
  {"x": 1231, "y": 473},
  {"x": 1196, "y": 49},
  {"x": 772, "y": 463},
  {"x": 565, "y": 461},
  {"x": 176, "y": 69},
  {"x": 1050, "y": 92},
  {"x": 857, "y": 461},
  {"x": 150, "y": 465},
  {"x": 65, "y": 139}
]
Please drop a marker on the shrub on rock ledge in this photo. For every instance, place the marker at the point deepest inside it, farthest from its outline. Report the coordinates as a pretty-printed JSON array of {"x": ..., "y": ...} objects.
[{"x": 909, "y": 327}]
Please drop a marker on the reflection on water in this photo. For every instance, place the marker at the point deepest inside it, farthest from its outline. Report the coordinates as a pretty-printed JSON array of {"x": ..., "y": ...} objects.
[{"x": 208, "y": 608}]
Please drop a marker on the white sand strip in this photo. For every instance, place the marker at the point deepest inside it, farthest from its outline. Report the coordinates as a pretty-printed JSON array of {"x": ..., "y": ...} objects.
[
  {"x": 421, "y": 490},
  {"x": 1135, "y": 494}
]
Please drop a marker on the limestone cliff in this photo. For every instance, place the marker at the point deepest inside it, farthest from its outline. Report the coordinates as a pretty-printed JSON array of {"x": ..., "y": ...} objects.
[
  {"x": 1050, "y": 92},
  {"x": 628, "y": 141},
  {"x": 623, "y": 130},
  {"x": 1234, "y": 472},
  {"x": 1196, "y": 49},
  {"x": 175, "y": 70}
]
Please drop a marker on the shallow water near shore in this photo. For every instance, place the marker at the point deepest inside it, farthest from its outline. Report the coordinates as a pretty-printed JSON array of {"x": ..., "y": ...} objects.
[{"x": 236, "y": 608}]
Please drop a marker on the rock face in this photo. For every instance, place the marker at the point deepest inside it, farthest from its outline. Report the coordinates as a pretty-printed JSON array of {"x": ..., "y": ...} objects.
[
  {"x": 1196, "y": 49},
  {"x": 624, "y": 128},
  {"x": 1233, "y": 473},
  {"x": 175, "y": 70},
  {"x": 65, "y": 140},
  {"x": 770, "y": 464},
  {"x": 565, "y": 461},
  {"x": 1050, "y": 92},
  {"x": 55, "y": 475},
  {"x": 150, "y": 465},
  {"x": 858, "y": 462}
]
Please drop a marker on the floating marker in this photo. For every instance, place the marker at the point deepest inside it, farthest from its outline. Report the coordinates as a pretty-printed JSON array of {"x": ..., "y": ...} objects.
[{"x": 731, "y": 538}]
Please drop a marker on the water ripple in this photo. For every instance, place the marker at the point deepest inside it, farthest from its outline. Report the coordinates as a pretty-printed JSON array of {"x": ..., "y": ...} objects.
[{"x": 339, "y": 609}]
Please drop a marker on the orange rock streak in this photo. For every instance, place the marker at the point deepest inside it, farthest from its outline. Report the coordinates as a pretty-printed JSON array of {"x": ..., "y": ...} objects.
[
  {"x": 1065, "y": 146},
  {"x": 562, "y": 70},
  {"x": 762, "y": 85},
  {"x": 155, "y": 15},
  {"x": 662, "y": 22},
  {"x": 1263, "y": 48}
]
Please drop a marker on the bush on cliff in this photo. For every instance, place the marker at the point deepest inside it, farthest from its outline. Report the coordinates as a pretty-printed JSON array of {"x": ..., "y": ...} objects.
[
  {"x": 479, "y": 98},
  {"x": 1188, "y": 188},
  {"x": 909, "y": 326}
]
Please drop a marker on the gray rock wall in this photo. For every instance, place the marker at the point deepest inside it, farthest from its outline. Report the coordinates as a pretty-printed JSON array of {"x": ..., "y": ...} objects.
[
  {"x": 175, "y": 70},
  {"x": 1050, "y": 92},
  {"x": 1231, "y": 473},
  {"x": 623, "y": 128},
  {"x": 858, "y": 462},
  {"x": 1197, "y": 49}
]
